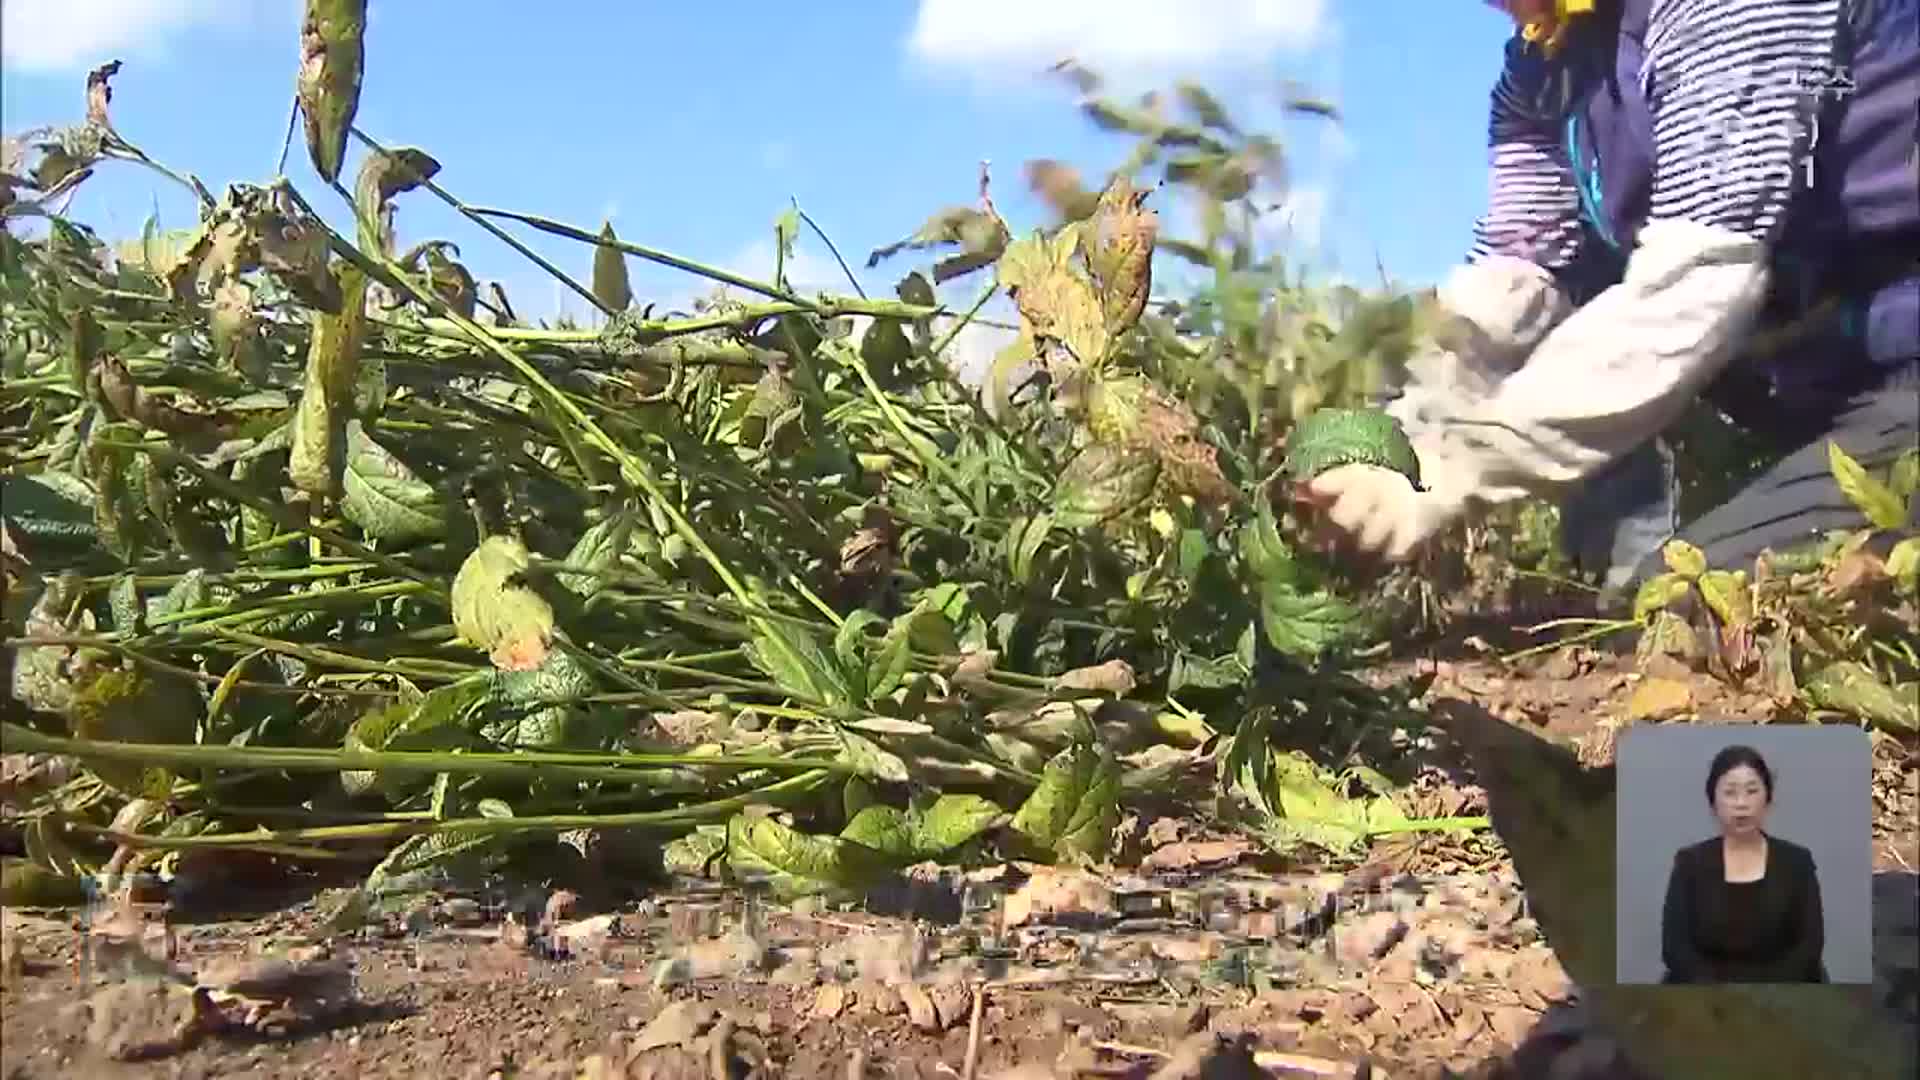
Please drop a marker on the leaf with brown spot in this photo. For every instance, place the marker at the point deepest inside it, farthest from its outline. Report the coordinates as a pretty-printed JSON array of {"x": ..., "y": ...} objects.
[
  {"x": 332, "y": 56},
  {"x": 1120, "y": 253}
]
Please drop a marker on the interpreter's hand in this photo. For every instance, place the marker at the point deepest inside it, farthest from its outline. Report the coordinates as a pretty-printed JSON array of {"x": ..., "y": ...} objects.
[{"x": 1378, "y": 511}]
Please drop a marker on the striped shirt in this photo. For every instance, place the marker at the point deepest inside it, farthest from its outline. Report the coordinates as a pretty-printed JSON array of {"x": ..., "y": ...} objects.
[{"x": 1734, "y": 87}]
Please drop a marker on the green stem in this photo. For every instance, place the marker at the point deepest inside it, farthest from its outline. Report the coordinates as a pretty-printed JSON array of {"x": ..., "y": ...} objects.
[
  {"x": 679, "y": 818},
  {"x": 523, "y": 764}
]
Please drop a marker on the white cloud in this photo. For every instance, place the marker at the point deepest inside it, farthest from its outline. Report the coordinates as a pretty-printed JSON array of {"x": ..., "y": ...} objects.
[
  {"x": 808, "y": 270},
  {"x": 1301, "y": 218},
  {"x": 47, "y": 36},
  {"x": 1113, "y": 36}
]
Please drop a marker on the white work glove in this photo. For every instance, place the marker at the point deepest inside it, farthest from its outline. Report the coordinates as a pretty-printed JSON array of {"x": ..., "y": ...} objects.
[
  {"x": 1609, "y": 377},
  {"x": 1495, "y": 312},
  {"x": 1381, "y": 513}
]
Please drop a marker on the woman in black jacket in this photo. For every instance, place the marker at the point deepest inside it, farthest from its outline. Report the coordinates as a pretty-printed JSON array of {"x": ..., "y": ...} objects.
[{"x": 1743, "y": 906}]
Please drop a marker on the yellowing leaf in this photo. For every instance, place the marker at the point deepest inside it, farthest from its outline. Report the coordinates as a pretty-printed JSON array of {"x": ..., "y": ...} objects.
[
  {"x": 1903, "y": 563},
  {"x": 1874, "y": 499},
  {"x": 1659, "y": 699},
  {"x": 1656, "y": 593},
  {"x": 1684, "y": 559},
  {"x": 610, "y": 285},
  {"x": 495, "y": 611},
  {"x": 1727, "y": 594}
]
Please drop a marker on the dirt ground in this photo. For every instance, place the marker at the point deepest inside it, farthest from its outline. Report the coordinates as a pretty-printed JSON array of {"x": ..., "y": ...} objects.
[{"x": 1421, "y": 962}]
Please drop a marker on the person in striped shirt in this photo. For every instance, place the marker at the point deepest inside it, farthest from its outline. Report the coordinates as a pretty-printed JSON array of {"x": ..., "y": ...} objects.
[{"x": 1688, "y": 197}]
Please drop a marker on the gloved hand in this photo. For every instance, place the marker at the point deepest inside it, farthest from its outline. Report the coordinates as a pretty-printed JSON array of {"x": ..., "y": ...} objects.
[{"x": 1379, "y": 511}]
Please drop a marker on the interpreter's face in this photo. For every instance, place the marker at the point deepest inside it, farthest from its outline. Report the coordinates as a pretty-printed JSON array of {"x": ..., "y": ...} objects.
[{"x": 1740, "y": 801}]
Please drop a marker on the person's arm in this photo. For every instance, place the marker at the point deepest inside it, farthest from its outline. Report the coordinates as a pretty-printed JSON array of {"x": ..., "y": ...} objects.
[
  {"x": 1502, "y": 300},
  {"x": 1626, "y": 364},
  {"x": 1684, "y": 962},
  {"x": 1801, "y": 959}
]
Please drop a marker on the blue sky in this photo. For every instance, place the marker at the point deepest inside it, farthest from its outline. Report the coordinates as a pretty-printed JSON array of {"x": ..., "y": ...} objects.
[{"x": 692, "y": 125}]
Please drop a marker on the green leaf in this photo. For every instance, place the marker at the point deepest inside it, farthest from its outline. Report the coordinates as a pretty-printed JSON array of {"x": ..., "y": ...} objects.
[
  {"x": 867, "y": 756},
  {"x": 1218, "y": 674},
  {"x": 388, "y": 500},
  {"x": 1024, "y": 540},
  {"x": 433, "y": 721},
  {"x": 517, "y": 696},
  {"x": 797, "y": 664},
  {"x": 493, "y": 609},
  {"x": 1103, "y": 482},
  {"x": 797, "y": 863},
  {"x": 889, "y": 667},
  {"x": 599, "y": 548},
  {"x": 1306, "y": 626},
  {"x": 885, "y": 829},
  {"x": 856, "y": 795},
  {"x": 187, "y": 594},
  {"x": 1074, "y": 810},
  {"x": 850, "y": 649},
  {"x": 953, "y": 820},
  {"x": 1878, "y": 502},
  {"x": 1266, "y": 554},
  {"x": 493, "y": 808}
]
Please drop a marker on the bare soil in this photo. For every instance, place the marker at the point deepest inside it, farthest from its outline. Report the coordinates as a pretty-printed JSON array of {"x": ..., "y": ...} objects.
[{"x": 1420, "y": 962}]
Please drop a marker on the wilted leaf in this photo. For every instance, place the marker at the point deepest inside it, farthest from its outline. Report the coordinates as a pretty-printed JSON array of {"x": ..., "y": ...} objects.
[
  {"x": 1058, "y": 185},
  {"x": 494, "y": 610},
  {"x": 319, "y": 450},
  {"x": 982, "y": 236},
  {"x": 693, "y": 853},
  {"x": 1120, "y": 253},
  {"x": 1074, "y": 810},
  {"x": 384, "y": 174},
  {"x": 1667, "y": 634},
  {"x": 100, "y": 93},
  {"x": 610, "y": 285},
  {"x": 332, "y": 50},
  {"x": 1851, "y": 687}
]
